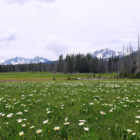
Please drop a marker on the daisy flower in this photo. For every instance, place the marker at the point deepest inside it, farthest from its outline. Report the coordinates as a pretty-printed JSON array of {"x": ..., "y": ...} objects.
[
  {"x": 21, "y": 133},
  {"x": 86, "y": 128},
  {"x": 39, "y": 131},
  {"x": 31, "y": 127},
  {"x": 56, "y": 128},
  {"x": 45, "y": 122}
]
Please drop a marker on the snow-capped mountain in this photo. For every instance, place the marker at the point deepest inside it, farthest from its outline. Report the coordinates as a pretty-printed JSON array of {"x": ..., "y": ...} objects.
[
  {"x": 21, "y": 60},
  {"x": 106, "y": 53}
]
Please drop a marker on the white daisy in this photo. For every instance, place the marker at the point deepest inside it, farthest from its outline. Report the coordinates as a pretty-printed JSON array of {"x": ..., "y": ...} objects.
[
  {"x": 81, "y": 123},
  {"x": 9, "y": 115},
  {"x": 39, "y": 131},
  {"x": 86, "y": 128},
  {"x": 21, "y": 133},
  {"x": 45, "y": 122},
  {"x": 56, "y": 128}
]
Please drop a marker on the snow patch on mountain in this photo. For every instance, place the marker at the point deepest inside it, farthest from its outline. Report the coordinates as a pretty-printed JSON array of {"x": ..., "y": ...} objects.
[
  {"x": 106, "y": 53},
  {"x": 21, "y": 60}
]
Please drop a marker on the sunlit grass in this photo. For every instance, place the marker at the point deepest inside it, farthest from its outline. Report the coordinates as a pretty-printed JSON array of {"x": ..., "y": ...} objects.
[
  {"x": 48, "y": 75},
  {"x": 70, "y": 110}
]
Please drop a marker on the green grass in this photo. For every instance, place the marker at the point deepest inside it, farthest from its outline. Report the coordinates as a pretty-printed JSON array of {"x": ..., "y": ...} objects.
[
  {"x": 119, "y": 100},
  {"x": 48, "y": 75}
]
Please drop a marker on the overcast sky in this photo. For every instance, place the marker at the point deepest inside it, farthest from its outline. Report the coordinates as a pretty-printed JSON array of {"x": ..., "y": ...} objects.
[{"x": 48, "y": 28}]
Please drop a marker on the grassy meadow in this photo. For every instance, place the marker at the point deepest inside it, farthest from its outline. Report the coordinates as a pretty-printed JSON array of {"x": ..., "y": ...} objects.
[
  {"x": 70, "y": 110},
  {"x": 49, "y": 75}
]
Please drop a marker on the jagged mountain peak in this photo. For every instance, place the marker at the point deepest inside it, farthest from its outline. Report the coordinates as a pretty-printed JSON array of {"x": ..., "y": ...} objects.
[
  {"x": 106, "y": 53},
  {"x": 103, "y": 53},
  {"x": 21, "y": 60}
]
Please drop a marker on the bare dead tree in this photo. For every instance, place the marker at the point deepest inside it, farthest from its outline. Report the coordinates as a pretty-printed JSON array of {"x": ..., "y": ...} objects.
[{"x": 138, "y": 54}]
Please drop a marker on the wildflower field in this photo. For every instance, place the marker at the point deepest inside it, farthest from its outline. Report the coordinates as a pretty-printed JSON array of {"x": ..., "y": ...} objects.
[{"x": 70, "y": 110}]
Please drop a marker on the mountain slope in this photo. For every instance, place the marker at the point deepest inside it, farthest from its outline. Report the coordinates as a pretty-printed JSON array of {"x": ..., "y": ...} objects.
[
  {"x": 106, "y": 53},
  {"x": 103, "y": 53},
  {"x": 21, "y": 60}
]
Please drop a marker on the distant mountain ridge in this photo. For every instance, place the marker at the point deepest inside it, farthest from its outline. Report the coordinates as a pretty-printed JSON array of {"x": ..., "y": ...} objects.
[
  {"x": 106, "y": 54},
  {"x": 21, "y": 60},
  {"x": 103, "y": 53}
]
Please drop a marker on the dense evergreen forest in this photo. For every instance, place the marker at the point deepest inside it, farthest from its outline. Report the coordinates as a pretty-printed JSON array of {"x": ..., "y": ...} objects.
[
  {"x": 127, "y": 66},
  {"x": 71, "y": 64}
]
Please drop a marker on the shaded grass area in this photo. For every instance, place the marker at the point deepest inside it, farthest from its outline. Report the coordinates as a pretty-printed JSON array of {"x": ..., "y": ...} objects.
[
  {"x": 119, "y": 100},
  {"x": 48, "y": 75}
]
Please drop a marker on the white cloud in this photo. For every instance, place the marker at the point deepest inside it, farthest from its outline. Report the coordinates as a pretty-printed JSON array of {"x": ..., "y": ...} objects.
[
  {"x": 23, "y": 1},
  {"x": 46, "y": 0},
  {"x": 16, "y": 1},
  {"x": 8, "y": 36},
  {"x": 57, "y": 45},
  {"x": 78, "y": 26}
]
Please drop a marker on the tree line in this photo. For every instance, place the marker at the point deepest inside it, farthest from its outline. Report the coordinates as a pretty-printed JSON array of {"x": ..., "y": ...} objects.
[
  {"x": 78, "y": 63},
  {"x": 81, "y": 63},
  {"x": 28, "y": 67},
  {"x": 126, "y": 66}
]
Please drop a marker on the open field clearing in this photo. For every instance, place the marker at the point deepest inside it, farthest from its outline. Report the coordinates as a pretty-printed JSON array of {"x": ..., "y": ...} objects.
[
  {"x": 70, "y": 110},
  {"x": 49, "y": 76}
]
